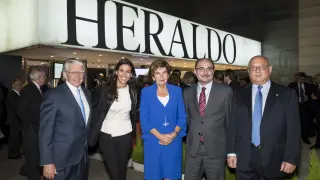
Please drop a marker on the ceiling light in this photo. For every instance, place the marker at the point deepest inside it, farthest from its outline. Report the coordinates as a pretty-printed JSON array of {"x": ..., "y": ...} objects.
[
  {"x": 98, "y": 66},
  {"x": 184, "y": 66},
  {"x": 42, "y": 63},
  {"x": 99, "y": 60},
  {"x": 171, "y": 61},
  {"x": 185, "y": 63},
  {"x": 51, "y": 56},
  {"x": 100, "y": 55},
  {"x": 22, "y": 61},
  {"x": 77, "y": 58},
  {"x": 74, "y": 53},
  {"x": 141, "y": 59},
  {"x": 122, "y": 57}
]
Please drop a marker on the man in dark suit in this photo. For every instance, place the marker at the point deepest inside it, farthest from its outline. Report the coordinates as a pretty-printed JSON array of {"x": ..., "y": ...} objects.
[
  {"x": 316, "y": 108},
  {"x": 208, "y": 106},
  {"x": 64, "y": 127},
  {"x": 15, "y": 138},
  {"x": 303, "y": 91},
  {"x": 231, "y": 79},
  {"x": 28, "y": 112},
  {"x": 264, "y": 133}
]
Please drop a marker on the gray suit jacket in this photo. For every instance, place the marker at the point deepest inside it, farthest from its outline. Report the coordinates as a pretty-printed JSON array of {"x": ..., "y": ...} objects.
[{"x": 213, "y": 125}]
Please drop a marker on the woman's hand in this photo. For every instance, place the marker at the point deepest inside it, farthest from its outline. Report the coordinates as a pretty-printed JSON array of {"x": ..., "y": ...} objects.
[{"x": 165, "y": 139}]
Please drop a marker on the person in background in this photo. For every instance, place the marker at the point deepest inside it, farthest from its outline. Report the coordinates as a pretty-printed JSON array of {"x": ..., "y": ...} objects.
[
  {"x": 189, "y": 78},
  {"x": 15, "y": 138},
  {"x": 174, "y": 79},
  {"x": 316, "y": 109},
  {"x": 64, "y": 126},
  {"x": 264, "y": 131},
  {"x": 163, "y": 122},
  {"x": 230, "y": 79},
  {"x": 31, "y": 97},
  {"x": 114, "y": 119},
  {"x": 218, "y": 77},
  {"x": 208, "y": 106}
]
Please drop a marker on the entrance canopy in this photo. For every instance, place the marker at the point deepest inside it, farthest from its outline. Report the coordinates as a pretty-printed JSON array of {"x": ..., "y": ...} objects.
[{"x": 117, "y": 26}]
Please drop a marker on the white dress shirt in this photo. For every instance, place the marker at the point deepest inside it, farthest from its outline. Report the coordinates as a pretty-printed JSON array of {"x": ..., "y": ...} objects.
[
  {"x": 164, "y": 100},
  {"x": 16, "y": 92},
  {"x": 265, "y": 91},
  {"x": 74, "y": 91},
  {"x": 207, "y": 91},
  {"x": 304, "y": 91}
]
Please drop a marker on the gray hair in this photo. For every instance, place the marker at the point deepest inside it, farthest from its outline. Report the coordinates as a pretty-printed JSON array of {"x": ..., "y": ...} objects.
[
  {"x": 34, "y": 74},
  {"x": 69, "y": 62},
  {"x": 259, "y": 56}
]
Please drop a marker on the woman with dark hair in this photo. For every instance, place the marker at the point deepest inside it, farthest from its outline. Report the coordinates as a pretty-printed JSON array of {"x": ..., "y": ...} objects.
[
  {"x": 114, "y": 118},
  {"x": 163, "y": 122}
]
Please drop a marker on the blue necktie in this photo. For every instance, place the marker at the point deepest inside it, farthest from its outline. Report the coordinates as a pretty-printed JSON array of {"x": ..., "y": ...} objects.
[
  {"x": 256, "y": 118},
  {"x": 80, "y": 102}
]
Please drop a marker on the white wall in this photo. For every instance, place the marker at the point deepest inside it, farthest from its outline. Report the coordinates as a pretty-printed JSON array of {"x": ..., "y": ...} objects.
[{"x": 18, "y": 19}]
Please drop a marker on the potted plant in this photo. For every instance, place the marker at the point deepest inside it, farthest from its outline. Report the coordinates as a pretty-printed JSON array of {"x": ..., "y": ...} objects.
[
  {"x": 314, "y": 166},
  {"x": 137, "y": 156}
]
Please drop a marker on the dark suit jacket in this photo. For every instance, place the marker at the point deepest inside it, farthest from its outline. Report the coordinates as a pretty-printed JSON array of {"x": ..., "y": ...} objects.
[
  {"x": 279, "y": 129},
  {"x": 234, "y": 85},
  {"x": 63, "y": 133},
  {"x": 100, "y": 109},
  {"x": 29, "y": 105},
  {"x": 213, "y": 126},
  {"x": 12, "y": 109},
  {"x": 307, "y": 86}
]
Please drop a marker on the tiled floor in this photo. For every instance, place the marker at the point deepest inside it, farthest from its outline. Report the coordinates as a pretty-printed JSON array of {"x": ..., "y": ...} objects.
[{"x": 9, "y": 168}]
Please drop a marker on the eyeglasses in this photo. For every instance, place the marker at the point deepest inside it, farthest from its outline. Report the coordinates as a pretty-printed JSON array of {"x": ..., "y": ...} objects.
[
  {"x": 202, "y": 69},
  {"x": 76, "y": 73},
  {"x": 260, "y": 68}
]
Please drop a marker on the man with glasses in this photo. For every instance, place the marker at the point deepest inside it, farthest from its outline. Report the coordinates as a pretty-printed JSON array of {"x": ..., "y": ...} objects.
[
  {"x": 64, "y": 126},
  {"x": 264, "y": 132},
  {"x": 208, "y": 106}
]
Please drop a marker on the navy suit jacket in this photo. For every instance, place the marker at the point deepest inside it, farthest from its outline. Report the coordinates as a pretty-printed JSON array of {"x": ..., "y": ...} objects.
[{"x": 63, "y": 133}]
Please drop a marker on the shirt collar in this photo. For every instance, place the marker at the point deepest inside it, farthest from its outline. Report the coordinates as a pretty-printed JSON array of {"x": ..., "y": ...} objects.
[
  {"x": 72, "y": 87},
  {"x": 208, "y": 86},
  {"x": 36, "y": 84},
  {"x": 16, "y": 91},
  {"x": 264, "y": 86}
]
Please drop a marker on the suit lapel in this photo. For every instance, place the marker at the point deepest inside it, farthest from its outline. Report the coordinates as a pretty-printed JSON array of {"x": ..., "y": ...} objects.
[
  {"x": 270, "y": 101},
  {"x": 73, "y": 100},
  {"x": 248, "y": 101},
  {"x": 212, "y": 97},
  {"x": 195, "y": 95}
]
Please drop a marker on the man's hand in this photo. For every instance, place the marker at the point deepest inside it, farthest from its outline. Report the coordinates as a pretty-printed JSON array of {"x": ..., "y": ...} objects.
[
  {"x": 287, "y": 167},
  {"x": 232, "y": 161},
  {"x": 49, "y": 171}
]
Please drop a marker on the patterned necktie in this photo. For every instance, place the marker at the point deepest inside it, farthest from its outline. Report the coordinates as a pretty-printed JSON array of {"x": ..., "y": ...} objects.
[
  {"x": 80, "y": 102},
  {"x": 202, "y": 101},
  {"x": 256, "y": 118}
]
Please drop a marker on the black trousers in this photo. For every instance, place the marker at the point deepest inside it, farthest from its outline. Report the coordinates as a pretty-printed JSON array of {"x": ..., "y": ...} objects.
[
  {"x": 32, "y": 155},
  {"x": 255, "y": 170},
  {"x": 15, "y": 140},
  {"x": 77, "y": 172},
  {"x": 116, "y": 152}
]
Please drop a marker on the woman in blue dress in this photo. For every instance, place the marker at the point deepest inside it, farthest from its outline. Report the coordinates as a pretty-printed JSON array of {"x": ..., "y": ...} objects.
[{"x": 163, "y": 121}]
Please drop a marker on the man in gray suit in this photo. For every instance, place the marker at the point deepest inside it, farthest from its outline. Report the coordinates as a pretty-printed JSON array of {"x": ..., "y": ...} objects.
[{"x": 208, "y": 107}]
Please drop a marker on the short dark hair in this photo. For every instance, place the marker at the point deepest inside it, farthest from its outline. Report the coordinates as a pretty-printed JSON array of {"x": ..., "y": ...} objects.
[
  {"x": 198, "y": 60},
  {"x": 230, "y": 73},
  {"x": 15, "y": 80},
  {"x": 176, "y": 71},
  {"x": 301, "y": 74},
  {"x": 160, "y": 63}
]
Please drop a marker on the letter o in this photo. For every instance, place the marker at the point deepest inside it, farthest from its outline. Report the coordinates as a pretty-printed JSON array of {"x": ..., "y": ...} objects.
[{"x": 234, "y": 49}]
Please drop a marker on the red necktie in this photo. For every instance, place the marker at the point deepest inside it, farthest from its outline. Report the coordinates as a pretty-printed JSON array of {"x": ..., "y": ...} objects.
[{"x": 202, "y": 101}]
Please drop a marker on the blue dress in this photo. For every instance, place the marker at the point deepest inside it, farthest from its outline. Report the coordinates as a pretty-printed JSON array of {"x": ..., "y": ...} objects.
[{"x": 162, "y": 161}]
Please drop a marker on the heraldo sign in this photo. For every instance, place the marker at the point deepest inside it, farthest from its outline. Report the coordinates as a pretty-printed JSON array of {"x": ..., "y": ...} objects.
[{"x": 123, "y": 27}]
